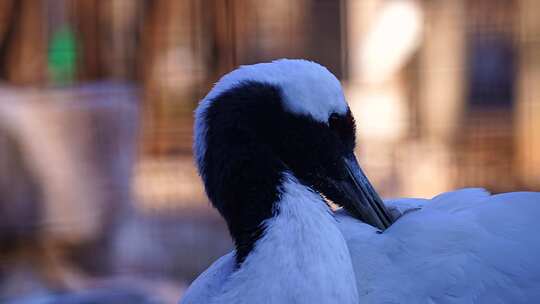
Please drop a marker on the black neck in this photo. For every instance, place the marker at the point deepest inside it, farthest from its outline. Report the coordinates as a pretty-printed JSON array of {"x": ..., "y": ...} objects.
[{"x": 241, "y": 173}]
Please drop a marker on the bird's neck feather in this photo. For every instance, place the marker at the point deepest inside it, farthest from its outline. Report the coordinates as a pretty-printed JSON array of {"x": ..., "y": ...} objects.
[
  {"x": 241, "y": 171},
  {"x": 300, "y": 258}
]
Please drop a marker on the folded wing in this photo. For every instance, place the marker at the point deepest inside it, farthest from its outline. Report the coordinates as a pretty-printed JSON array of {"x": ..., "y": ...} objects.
[{"x": 465, "y": 246}]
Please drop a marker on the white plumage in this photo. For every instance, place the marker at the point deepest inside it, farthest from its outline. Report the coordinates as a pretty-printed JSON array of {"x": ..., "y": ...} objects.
[
  {"x": 466, "y": 246},
  {"x": 302, "y": 240}
]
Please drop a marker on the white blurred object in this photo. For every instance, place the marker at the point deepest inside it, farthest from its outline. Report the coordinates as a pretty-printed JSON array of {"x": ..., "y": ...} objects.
[
  {"x": 391, "y": 39},
  {"x": 384, "y": 37}
]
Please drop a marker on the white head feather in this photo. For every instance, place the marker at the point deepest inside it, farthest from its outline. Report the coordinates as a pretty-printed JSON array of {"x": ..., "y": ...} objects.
[{"x": 308, "y": 89}]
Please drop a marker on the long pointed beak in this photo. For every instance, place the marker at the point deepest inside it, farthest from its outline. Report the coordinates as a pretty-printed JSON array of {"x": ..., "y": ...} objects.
[{"x": 365, "y": 203}]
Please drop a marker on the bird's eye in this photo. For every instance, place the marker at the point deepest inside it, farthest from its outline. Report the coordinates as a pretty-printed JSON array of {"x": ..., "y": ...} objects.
[
  {"x": 333, "y": 121},
  {"x": 343, "y": 126}
]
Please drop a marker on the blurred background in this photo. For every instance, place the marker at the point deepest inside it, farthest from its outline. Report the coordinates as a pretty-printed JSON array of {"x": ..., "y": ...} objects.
[{"x": 100, "y": 201}]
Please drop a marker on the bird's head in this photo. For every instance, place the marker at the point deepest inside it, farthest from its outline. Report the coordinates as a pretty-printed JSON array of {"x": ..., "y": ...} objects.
[{"x": 283, "y": 116}]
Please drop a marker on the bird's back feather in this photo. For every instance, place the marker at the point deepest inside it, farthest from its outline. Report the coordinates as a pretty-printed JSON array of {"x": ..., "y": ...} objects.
[
  {"x": 210, "y": 281},
  {"x": 465, "y": 246}
]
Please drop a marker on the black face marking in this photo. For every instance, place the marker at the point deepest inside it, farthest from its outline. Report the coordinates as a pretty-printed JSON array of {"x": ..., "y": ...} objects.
[
  {"x": 251, "y": 141},
  {"x": 344, "y": 126}
]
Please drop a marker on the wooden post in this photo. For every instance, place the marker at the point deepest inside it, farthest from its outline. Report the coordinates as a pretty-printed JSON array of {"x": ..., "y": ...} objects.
[
  {"x": 441, "y": 66},
  {"x": 25, "y": 52},
  {"x": 528, "y": 107}
]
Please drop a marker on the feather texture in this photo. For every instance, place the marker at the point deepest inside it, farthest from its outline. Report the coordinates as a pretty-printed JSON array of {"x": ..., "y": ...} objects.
[{"x": 465, "y": 246}]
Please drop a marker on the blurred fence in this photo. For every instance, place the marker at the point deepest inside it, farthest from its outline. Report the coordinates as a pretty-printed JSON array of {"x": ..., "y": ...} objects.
[{"x": 421, "y": 71}]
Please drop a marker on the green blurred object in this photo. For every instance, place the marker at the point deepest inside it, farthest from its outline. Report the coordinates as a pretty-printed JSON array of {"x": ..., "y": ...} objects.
[{"x": 62, "y": 56}]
